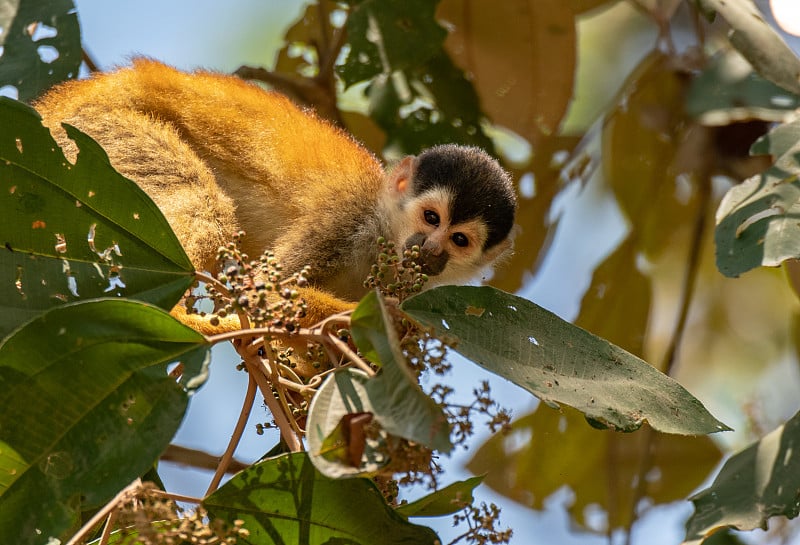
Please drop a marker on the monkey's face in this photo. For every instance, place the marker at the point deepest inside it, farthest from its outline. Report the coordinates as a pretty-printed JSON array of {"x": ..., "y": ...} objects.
[
  {"x": 457, "y": 204},
  {"x": 450, "y": 252}
]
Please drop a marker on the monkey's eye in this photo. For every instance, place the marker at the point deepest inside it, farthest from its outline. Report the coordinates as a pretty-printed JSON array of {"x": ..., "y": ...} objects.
[
  {"x": 432, "y": 217},
  {"x": 460, "y": 239}
]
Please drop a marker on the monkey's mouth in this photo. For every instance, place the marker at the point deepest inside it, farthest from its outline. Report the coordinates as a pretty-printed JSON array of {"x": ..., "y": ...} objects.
[{"x": 431, "y": 264}]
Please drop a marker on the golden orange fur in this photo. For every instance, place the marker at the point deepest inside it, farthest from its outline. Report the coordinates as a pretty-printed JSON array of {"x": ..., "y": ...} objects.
[{"x": 219, "y": 155}]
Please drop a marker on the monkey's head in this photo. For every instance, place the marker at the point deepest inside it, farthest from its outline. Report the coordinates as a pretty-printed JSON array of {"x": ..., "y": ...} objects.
[{"x": 457, "y": 204}]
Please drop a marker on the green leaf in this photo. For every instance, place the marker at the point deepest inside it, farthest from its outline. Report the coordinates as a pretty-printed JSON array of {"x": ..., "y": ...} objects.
[
  {"x": 783, "y": 143},
  {"x": 417, "y": 95},
  {"x": 760, "y": 482},
  {"x": 286, "y": 500},
  {"x": 76, "y": 232},
  {"x": 41, "y": 45},
  {"x": 559, "y": 362},
  {"x": 105, "y": 409},
  {"x": 728, "y": 91},
  {"x": 401, "y": 407},
  {"x": 389, "y": 35},
  {"x": 393, "y": 398},
  {"x": 758, "y": 42},
  {"x": 757, "y": 219},
  {"x": 431, "y": 103},
  {"x": 446, "y": 501}
]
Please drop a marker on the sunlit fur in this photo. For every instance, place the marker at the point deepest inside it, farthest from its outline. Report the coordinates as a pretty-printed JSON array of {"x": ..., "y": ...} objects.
[{"x": 218, "y": 155}]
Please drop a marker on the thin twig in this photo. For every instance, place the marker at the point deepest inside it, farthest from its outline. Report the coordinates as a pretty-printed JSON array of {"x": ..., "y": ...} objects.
[
  {"x": 352, "y": 356},
  {"x": 244, "y": 320},
  {"x": 236, "y": 436},
  {"x": 324, "y": 22},
  {"x": 258, "y": 332},
  {"x": 271, "y": 367},
  {"x": 670, "y": 355},
  {"x": 208, "y": 279},
  {"x": 175, "y": 497},
  {"x": 690, "y": 277},
  {"x": 109, "y": 527},
  {"x": 256, "y": 371},
  {"x": 338, "y": 318},
  {"x": 699, "y": 30},
  {"x": 89, "y": 61},
  {"x": 328, "y": 62}
]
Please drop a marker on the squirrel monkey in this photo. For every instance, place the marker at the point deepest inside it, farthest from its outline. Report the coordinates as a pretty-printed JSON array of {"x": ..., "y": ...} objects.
[{"x": 219, "y": 155}]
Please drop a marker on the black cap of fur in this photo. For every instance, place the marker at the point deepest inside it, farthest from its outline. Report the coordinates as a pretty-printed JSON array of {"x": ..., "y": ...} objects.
[{"x": 481, "y": 187}]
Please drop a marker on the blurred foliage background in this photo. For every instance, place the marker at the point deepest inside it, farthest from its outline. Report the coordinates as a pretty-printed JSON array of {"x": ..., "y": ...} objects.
[{"x": 624, "y": 123}]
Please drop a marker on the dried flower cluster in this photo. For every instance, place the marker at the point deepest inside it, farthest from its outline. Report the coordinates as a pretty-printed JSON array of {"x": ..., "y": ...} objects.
[
  {"x": 255, "y": 289},
  {"x": 135, "y": 521},
  {"x": 482, "y": 521}
]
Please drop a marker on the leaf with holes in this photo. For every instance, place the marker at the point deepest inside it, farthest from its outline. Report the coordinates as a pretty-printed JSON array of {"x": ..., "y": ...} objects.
[
  {"x": 286, "y": 500},
  {"x": 559, "y": 362},
  {"x": 389, "y": 35},
  {"x": 40, "y": 45},
  {"x": 105, "y": 409},
  {"x": 728, "y": 90},
  {"x": 76, "y": 232}
]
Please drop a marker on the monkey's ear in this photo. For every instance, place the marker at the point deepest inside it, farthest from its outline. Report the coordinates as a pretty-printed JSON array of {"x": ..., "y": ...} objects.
[{"x": 400, "y": 180}]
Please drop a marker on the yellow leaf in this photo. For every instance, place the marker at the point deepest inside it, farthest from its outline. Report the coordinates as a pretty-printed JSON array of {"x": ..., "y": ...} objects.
[
  {"x": 600, "y": 467},
  {"x": 521, "y": 54}
]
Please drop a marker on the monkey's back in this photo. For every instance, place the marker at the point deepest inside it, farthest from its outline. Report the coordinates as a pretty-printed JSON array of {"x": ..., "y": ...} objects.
[{"x": 218, "y": 154}]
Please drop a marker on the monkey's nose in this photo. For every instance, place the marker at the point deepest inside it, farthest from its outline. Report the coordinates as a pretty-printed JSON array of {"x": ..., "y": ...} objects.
[{"x": 431, "y": 247}]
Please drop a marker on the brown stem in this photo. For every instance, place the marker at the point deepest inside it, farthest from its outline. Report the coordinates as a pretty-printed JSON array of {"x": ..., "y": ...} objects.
[
  {"x": 236, "y": 436},
  {"x": 257, "y": 332},
  {"x": 697, "y": 24},
  {"x": 89, "y": 61},
  {"x": 198, "y": 458},
  {"x": 690, "y": 276},
  {"x": 271, "y": 367},
  {"x": 123, "y": 496},
  {"x": 256, "y": 370},
  {"x": 324, "y": 22},
  {"x": 352, "y": 356},
  {"x": 670, "y": 355},
  {"x": 290, "y": 85},
  {"x": 176, "y": 497},
  {"x": 108, "y": 528},
  {"x": 327, "y": 62}
]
